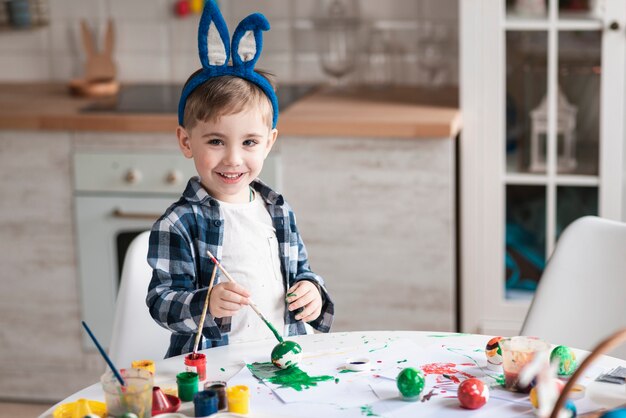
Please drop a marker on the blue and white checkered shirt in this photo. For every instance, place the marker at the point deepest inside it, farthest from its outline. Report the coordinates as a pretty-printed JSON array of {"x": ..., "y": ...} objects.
[{"x": 182, "y": 268}]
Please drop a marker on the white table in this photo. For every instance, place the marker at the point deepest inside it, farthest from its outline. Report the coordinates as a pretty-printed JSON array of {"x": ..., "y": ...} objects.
[{"x": 332, "y": 350}]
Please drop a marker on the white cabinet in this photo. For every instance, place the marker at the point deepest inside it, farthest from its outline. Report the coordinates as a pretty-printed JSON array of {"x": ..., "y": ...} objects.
[{"x": 542, "y": 98}]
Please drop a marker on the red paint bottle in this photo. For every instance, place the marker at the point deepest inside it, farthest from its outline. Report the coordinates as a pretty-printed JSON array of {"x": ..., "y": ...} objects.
[{"x": 196, "y": 363}]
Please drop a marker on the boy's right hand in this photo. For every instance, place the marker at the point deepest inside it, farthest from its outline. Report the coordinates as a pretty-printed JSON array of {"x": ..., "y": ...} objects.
[{"x": 227, "y": 298}]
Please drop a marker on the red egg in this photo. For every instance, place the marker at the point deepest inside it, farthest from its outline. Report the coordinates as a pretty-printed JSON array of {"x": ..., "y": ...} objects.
[{"x": 473, "y": 393}]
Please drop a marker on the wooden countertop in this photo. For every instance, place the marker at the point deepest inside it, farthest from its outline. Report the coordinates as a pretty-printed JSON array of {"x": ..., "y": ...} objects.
[{"x": 399, "y": 112}]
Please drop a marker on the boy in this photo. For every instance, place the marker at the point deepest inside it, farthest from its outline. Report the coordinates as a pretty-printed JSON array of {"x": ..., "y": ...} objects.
[{"x": 227, "y": 126}]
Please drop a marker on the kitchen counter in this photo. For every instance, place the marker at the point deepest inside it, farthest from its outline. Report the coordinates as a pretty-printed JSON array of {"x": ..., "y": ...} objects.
[{"x": 396, "y": 112}]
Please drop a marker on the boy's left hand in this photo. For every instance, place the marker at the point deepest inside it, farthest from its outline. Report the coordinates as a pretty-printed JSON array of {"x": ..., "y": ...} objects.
[{"x": 304, "y": 294}]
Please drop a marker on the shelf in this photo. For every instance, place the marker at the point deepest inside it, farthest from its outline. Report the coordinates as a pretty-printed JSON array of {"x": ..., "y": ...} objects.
[
  {"x": 566, "y": 21},
  {"x": 543, "y": 180}
]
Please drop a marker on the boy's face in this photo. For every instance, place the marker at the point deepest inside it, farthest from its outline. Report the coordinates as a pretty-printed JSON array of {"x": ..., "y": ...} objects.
[{"x": 229, "y": 152}]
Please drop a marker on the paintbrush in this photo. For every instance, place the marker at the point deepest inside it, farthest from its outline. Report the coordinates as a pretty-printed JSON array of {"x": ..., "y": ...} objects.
[
  {"x": 106, "y": 358},
  {"x": 203, "y": 316},
  {"x": 252, "y": 305}
]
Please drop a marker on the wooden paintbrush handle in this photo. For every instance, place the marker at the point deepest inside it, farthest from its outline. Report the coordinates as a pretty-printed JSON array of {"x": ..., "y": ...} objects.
[
  {"x": 608, "y": 344},
  {"x": 204, "y": 310}
]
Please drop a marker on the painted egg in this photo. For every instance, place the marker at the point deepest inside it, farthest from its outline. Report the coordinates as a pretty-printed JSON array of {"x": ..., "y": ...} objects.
[
  {"x": 494, "y": 353},
  {"x": 566, "y": 359},
  {"x": 287, "y": 354},
  {"x": 410, "y": 382},
  {"x": 615, "y": 413},
  {"x": 533, "y": 393},
  {"x": 571, "y": 408},
  {"x": 473, "y": 393}
]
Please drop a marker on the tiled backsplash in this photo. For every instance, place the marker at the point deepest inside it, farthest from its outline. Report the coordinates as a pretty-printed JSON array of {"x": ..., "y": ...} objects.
[{"x": 153, "y": 45}]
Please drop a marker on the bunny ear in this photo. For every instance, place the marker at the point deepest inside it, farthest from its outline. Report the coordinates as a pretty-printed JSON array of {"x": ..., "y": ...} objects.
[
  {"x": 248, "y": 40},
  {"x": 213, "y": 45}
]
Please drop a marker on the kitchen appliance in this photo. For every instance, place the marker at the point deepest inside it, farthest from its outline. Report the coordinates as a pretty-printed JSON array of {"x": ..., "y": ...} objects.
[
  {"x": 163, "y": 98},
  {"x": 118, "y": 196}
]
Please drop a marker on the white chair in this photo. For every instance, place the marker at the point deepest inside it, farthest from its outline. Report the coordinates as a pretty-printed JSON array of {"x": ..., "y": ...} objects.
[
  {"x": 581, "y": 298},
  {"x": 136, "y": 336}
]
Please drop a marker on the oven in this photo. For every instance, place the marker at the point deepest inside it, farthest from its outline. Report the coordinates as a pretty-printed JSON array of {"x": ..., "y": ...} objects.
[{"x": 117, "y": 196}]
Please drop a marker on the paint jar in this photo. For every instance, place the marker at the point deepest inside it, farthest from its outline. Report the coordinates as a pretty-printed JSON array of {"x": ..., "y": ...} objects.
[
  {"x": 205, "y": 403},
  {"x": 144, "y": 364},
  {"x": 238, "y": 399},
  {"x": 517, "y": 353},
  {"x": 187, "y": 385},
  {"x": 135, "y": 396},
  {"x": 196, "y": 363},
  {"x": 218, "y": 387}
]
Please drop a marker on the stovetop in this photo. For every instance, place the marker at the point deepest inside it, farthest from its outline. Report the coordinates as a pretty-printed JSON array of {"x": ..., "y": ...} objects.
[{"x": 163, "y": 98}]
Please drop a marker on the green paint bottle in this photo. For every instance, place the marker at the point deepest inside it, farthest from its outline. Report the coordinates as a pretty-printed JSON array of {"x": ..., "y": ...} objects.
[{"x": 187, "y": 385}]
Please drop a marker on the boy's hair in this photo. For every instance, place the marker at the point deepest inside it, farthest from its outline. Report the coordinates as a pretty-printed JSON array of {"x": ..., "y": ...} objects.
[{"x": 226, "y": 95}]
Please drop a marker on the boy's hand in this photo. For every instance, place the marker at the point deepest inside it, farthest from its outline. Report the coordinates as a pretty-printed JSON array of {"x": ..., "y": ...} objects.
[
  {"x": 226, "y": 299},
  {"x": 304, "y": 294}
]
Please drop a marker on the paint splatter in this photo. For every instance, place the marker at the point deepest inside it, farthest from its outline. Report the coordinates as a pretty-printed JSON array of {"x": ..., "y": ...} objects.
[
  {"x": 292, "y": 377},
  {"x": 445, "y": 369},
  {"x": 401, "y": 361},
  {"x": 222, "y": 369},
  {"x": 368, "y": 412},
  {"x": 380, "y": 348},
  {"x": 429, "y": 395},
  {"x": 291, "y": 295},
  {"x": 347, "y": 371}
]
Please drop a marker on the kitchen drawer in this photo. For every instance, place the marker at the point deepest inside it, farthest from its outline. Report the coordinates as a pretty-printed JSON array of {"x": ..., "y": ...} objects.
[
  {"x": 132, "y": 172},
  {"x": 146, "y": 172}
]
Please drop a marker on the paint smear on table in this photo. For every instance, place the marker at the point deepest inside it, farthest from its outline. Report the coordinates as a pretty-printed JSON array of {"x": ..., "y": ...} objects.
[
  {"x": 292, "y": 377},
  {"x": 367, "y": 411},
  {"x": 380, "y": 348},
  {"x": 222, "y": 369}
]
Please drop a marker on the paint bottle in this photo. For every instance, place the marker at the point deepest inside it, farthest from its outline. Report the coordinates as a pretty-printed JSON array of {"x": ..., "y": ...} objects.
[
  {"x": 187, "y": 385},
  {"x": 144, "y": 364},
  {"x": 238, "y": 399},
  {"x": 205, "y": 403},
  {"x": 196, "y": 363},
  {"x": 218, "y": 387}
]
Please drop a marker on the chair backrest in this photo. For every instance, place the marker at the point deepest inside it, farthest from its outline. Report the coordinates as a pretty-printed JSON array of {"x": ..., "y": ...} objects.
[
  {"x": 136, "y": 336},
  {"x": 581, "y": 298}
]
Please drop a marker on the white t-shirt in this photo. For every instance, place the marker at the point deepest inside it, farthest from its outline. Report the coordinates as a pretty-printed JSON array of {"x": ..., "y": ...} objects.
[{"x": 250, "y": 255}]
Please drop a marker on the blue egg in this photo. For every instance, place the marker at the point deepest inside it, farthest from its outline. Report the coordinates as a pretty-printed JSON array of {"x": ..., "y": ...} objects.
[{"x": 616, "y": 413}]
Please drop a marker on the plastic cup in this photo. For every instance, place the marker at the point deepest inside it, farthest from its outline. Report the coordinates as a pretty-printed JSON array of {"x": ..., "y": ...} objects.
[
  {"x": 238, "y": 399},
  {"x": 220, "y": 388},
  {"x": 205, "y": 403},
  {"x": 135, "y": 396},
  {"x": 196, "y": 363},
  {"x": 144, "y": 364},
  {"x": 187, "y": 385},
  {"x": 517, "y": 353}
]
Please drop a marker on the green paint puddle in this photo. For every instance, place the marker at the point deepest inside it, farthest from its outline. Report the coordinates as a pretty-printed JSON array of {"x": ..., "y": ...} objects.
[
  {"x": 381, "y": 348},
  {"x": 293, "y": 377},
  {"x": 222, "y": 369},
  {"x": 401, "y": 361},
  {"x": 368, "y": 412},
  {"x": 347, "y": 371}
]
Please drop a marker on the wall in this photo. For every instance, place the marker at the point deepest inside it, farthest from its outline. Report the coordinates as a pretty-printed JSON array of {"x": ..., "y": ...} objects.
[{"x": 155, "y": 46}]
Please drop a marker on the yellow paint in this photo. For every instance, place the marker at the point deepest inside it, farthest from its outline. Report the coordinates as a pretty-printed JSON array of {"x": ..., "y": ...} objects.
[
  {"x": 238, "y": 399},
  {"x": 144, "y": 364},
  {"x": 80, "y": 408},
  {"x": 196, "y": 6}
]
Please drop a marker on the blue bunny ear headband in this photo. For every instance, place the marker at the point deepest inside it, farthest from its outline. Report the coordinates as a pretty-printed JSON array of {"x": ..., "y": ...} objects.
[{"x": 215, "y": 53}]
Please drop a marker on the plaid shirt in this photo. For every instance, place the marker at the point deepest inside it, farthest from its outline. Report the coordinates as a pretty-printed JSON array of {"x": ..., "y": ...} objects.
[{"x": 182, "y": 269}]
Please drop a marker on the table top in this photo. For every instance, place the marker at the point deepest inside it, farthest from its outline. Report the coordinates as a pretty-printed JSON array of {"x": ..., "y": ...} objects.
[{"x": 446, "y": 358}]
